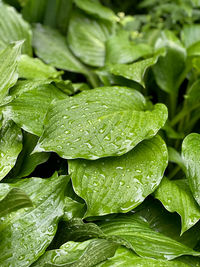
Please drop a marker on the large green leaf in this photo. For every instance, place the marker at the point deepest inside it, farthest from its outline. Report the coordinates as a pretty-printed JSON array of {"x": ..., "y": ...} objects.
[
  {"x": 87, "y": 37},
  {"x": 10, "y": 146},
  {"x": 114, "y": 185},
  {"x": 191, "y": 156},
  {"x": 190, "y": 34},
  {"x": 14, "y": 28},
  {"x": 34, "y": 10},
  {"x": 34, "y": 68},
  {"x": 26, "y": 233},
  {"x": 9, "y": 58},
  {"x": 134, "y": 232},
  {"x": 177, "y": 197},
  {"x": 26, "y": 162},
  {"x": 125, "y": 257},
  {"x": 14, "y": 200},
  {"x": 28, "y": 109},
  {"x": 88, "y": 253},
  {"x": 107, "y": 121},
  {"x": 51, "y": 47},
  {"x": 93, "y": 7}
]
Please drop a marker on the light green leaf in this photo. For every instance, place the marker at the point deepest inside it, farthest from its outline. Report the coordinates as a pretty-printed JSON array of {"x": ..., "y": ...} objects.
[
  {"x": 14, "y": 200},
  {"x": 114, "y": 185},
  {"x": 134, "y": 232},
  {"x": 28, "y": 232},
  {"x": 176, "y": 197},
  {"x": 26, "y": 162},
  {"x": 125, "y": 257},
  {"x": 10, "y": 146},
  {"x": 167, "y": 74},
  {"x": 28, "y": 110},
  {"x": 34, "y": 68},
  {"x": 88, "y": 253},
  {"x": 51, "y": 47},
  {"x": 135, "y": 71},
  {"x": 191, "y": 156},
  {"x": 194, "y": 50},
  {"x": 14, "y": 28},
  {"x": 190, "y": 34},
  {"x": 120, "y": 50},
  {"x": 9, "y": 58},
  {"x": 87, "y": 37},
  {"x": 107, "y": 121},
  {"x": 175, "y": 157},
  {"x": 93, "y": 7},
  {"x": 73, "y": 209}
]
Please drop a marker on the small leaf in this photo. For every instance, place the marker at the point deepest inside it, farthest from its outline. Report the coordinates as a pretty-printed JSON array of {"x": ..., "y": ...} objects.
[
  {"x": 191, "y": 157},
  {"x": 73, "y": 209},
  {"x": 107, "y": 121},
  {"x": 176, "y": 197},
  {"x": 114, "y": 185},
  {"x": 14, "y": 200},
  {"x": 10, "y": 146},
  {"x": 190, "y": 34}
]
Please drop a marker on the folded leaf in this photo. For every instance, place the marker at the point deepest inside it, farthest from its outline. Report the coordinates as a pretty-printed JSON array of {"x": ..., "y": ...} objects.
[
  {"x": 107, "y": 121},
  {"x": 73, "y": 209},
  {"x": 88, "y": 253},
  {"x": 28, "y": 110},
  {"x": 10, "y": 146},
  {"x": 14, "y": 200},
  {"x": 119, "y": 184},
  {"x": 176, "y": 197},
  {"x": 191, "y": 156},
  {"x": 14, "y": 28},
  {"x": 51, "y": 47},
  {"x": 9, "y": 58},
  {"x": 87, "y": 37},
  {"x": 28, "y": 232}
]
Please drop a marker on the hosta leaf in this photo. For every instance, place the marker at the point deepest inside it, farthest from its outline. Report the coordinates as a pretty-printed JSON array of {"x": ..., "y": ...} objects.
[
  {"x": 191, "y": 156},
  {"x": 9, "y": 58},
  {"x": 26, "y": 233},
  {"x": 93, "y": 7},
  {"x": 114, "y": 185},
  {"x": 14, "y": 200},
  {"x": 167, "y": 74},
  {"x": 87, "y": 37},
  {"x": 107, "y": 121},
  {"x": 51, "y": 47},
  {"x": 73, "y": 209},
  {"x": 119, "y": 49},
  {"x": 125, "y": 257},
  {"x": 26, "y": 162},
  {"x": 88, "y": 253},
  {"x": 177, "y": 197},
  {"x": 10, "y": 146},
  {"x": 134, "y": 232},
  {"x": 190, "y": 34},
  {"x": 34, "y": 10},
  {"x": 193, "y": 95},
  {"x": 175, "y": 157},
  {"x": 28, "y": 110},
  {"x": 135, "y": 71},
  {"x": 14, "y": 28},
  {"x": 34, "y": 68}
]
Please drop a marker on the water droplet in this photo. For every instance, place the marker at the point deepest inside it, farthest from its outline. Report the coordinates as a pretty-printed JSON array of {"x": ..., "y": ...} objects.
[
  {"x": 122, "y": 183},
  {"x": 119, "y": 168}
]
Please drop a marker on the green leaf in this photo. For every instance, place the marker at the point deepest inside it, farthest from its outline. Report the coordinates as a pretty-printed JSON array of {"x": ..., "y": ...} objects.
[
  {"x": 190, "y": 34},
  {"x": 14, "y": 28},
  {"x": 167, "y": 74},
  {"x": 193, "y": 95},
  {"x": 120, "y": 50},
  {"x": 29, "y": 231},
  {"x": 191, "y": 157},
  {"x": 88, "y": 253},
  {"x": 9, "y": 58},
  {"x": 28, "y": 109},
  {"x": 175, "y": 157},
  {"x": 26, "y": 162},
  {"x": 125, "y": 257},
  {"x": 10, "y": 146},
  {"x": 14, "y": 200},
  {"x": 34, "y": 68},
  {"x": 114, "y": 185},
  {"x": 107, "y": 121},
  {"x": 134, "y": 232},
  {"x": 135, "y": 71},
  {"x": 177, "y": 197},
  {"x": 34, "y": 10},
  {"x": 87, "y": 37},
  {"x": 51, "y": 47},
  {"x": 73, "y": 209},
  {"x": 93, "y": 7}
]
